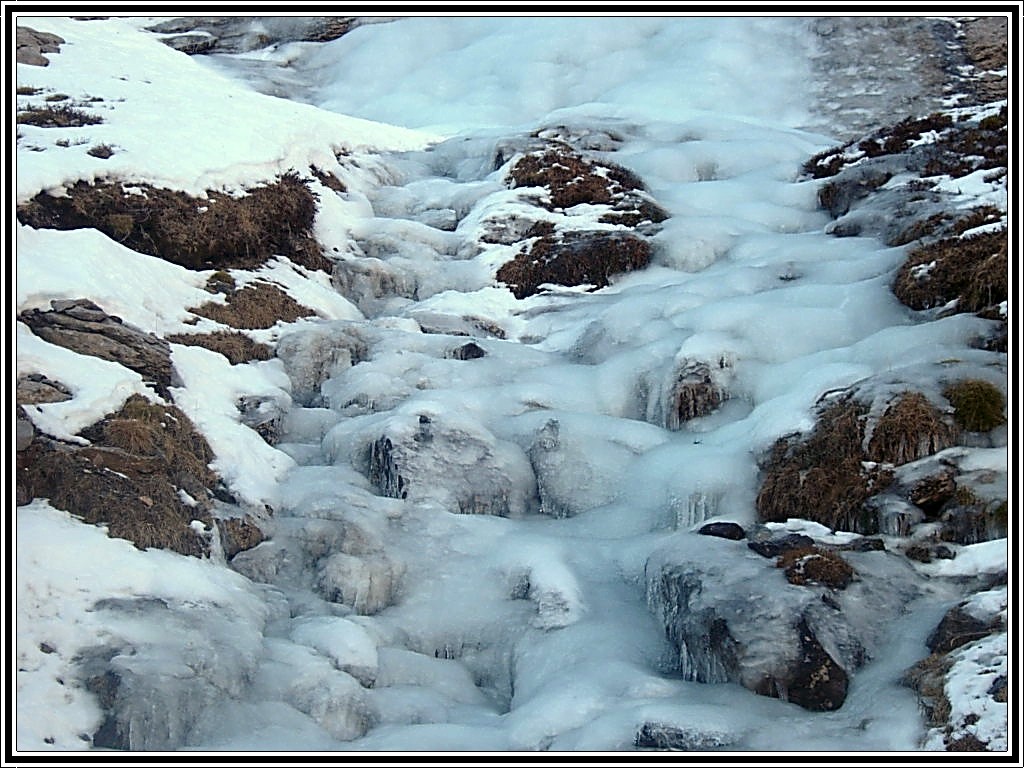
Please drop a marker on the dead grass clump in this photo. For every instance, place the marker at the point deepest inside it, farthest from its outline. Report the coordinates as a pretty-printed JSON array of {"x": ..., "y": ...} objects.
[
  {"x": 971, "y": 271},
  {"x": 329, "y": 180},
  {"x": 910, "y": 429},
  {"x": 62, "y": 116},
  {"x": 130, "y": 477},
  {"x": 257, "y": 305},
  {"x": 218, "y": 231},
  {"x": 821, "y": 477},
  {"x": 815, "y": 565},
  {"x": 236, "y": 347},
  {"x": 578, "y": 258},
  {"x": 928, "y": 678},
  {"x": 971, "y": 148},
  {"x": 28, "y": 90},
  {"x": 571, "y": 179},
  {"x": 978, "y": 406}
]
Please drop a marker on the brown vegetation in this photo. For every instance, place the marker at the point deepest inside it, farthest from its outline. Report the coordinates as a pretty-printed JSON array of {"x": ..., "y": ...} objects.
[
  {"x": 257, "y": 305},
  {"x": 62, "y": 116},
  {"x": 910, "y": 429},
  {"x": 978, "y": 406},
  {"x": 236, "y": 347},
  {"x": 816, "y": 565},
  {"x": 199, "y": 233},
  {"x": 821, "y": 477},
  {"x": 972, "y": 271},
  {"x": 576, "y": 258},
  {"x": 129, "y": 477}
]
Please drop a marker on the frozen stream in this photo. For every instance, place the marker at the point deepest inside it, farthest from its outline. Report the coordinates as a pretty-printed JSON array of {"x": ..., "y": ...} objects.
[
  {"x": 485, "y": 508},
  {"x": 527, "y": 632}
]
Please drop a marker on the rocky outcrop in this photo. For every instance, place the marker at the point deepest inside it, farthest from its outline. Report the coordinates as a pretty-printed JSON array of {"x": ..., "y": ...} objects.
[
  {"x": 32, "y": 45},
  {"x": 82, "y": 326}
]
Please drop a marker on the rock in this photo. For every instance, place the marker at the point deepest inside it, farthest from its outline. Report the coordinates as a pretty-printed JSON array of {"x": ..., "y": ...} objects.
[
  {"x": 34, "y": 388},
  {"x": 724, "y": 530},
  {"x": 219, "y": 34},
  {"x": 816, "y": 682},
  {"x": 81, "y": 326},
  {"x": 238, "y": 534},
  {"x": 453, "y": 462},
  {"x": 816, "y": 565},
  {"x": 746, "y": 637},
  {"x": 470, "y": 351},
  {"x": 370, "y": 283},
  {"x": 31, "y": 45},
  {"x": 781, "y": 544},
  {"x": 957, "y": 628},
  {"x": 931, "y": 493},
  {"x": 264, "y": 415},
  {"x": 696, "y": 391}
]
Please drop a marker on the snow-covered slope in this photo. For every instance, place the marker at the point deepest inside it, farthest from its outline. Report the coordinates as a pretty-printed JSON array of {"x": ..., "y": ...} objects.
[{"x": 480, "y": 512}]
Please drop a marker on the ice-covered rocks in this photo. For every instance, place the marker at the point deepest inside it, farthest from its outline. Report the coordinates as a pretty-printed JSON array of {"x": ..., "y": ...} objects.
[
  {"x": 732, "y": 617},
  {"x": 453, "y": 461},
  {"x": 312, "y": 355}
]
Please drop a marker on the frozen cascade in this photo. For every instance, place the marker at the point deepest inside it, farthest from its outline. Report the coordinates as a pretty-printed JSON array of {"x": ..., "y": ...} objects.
[{"x": 487, "y": 540}]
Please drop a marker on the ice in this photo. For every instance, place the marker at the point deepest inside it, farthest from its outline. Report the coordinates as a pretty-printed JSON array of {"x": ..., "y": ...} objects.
[{"x": 379, "y": 616}]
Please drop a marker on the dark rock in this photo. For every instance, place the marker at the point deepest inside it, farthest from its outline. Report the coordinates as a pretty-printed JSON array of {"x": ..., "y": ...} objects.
[
  {"x": 724, "y": 530},
  {"x": 817, "y": 682},
  {"x": 263, "y": 415},
  {"x": 220, "y": 34},
  {"x": 781, "y": 544},
  {"x": 83, "y": 327},
  {"x": 470, "y": 351},
  {"x": 957, "y": 628},
  {"x": 863, "y": 544}
]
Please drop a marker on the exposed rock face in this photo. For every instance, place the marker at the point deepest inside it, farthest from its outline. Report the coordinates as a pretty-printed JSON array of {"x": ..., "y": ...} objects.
[
  {"x": 673, "y": 738},
  {"x": 32, "y": 45},
  {"x": 697, "y": 391},
  {"x": 80, "y": 325},
  {"x": 715, "y": 644},
  {"x": 461, "y": 466}
]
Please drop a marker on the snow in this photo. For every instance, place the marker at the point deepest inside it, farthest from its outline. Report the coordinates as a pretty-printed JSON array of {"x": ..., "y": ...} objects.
[{"x": 480, "y": 633}]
